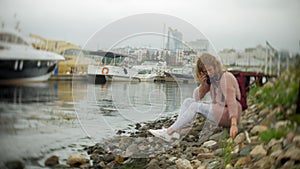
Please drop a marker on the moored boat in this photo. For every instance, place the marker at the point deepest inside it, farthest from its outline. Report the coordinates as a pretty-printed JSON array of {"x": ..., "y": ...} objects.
[
  {"x": 111, "y": 69},
  {"x": 20, "y": 62}
]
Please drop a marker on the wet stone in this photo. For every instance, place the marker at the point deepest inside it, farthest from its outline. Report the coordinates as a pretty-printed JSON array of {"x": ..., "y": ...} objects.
[
  {"x": 76, "y": 160},
  {"x": 52, "y": 161},
  {"x": 15, "y": 164}
]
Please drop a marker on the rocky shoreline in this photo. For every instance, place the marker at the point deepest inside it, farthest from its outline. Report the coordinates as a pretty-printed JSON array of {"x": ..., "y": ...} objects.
[
  {"x": 247, "y": 150},
  {"x": 269, "y": 137}
]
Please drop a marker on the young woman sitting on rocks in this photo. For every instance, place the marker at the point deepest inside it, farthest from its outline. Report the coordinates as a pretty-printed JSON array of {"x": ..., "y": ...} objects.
[{"x": 224, "y": 108}]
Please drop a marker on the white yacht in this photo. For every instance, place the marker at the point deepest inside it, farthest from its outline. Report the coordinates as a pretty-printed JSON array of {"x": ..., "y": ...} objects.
[
  {"x": 184, "y": 74},
  {"x": 151, "y": 71},
  {"x": 20, "y": 62},
  {"x": 111, "y": 68}
]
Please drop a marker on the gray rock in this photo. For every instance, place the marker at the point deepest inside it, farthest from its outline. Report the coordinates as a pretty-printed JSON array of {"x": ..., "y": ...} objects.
[
  {"x": 288, "y": 165},
  {"x": 15, "y": 164},
  {"x": 131, "y": 150},
  {"x": 198, "y": 150},
  {"x": 273, "y": 142},
  {"x": 218, "y": 152},
  {"x": 76, "y": 160},
  {"x": 292, "y": 153},
  {"x": 242, "y": 161},
  {"x": 52, "y": 161},
  {"x": 211, "y": 144},
  {"x": 276, "y": 154},
  {"x": 264, "y": 112},
  {"x": 217, "y": 136},
  {"x": 265, "y": 162},
  {"x": 108, "y": 157},
  {"x": 172, "y": 167},
  {"x": 228, "y": 166},
  {"x": 85, "y": 166},
  {"x": 280, "y": 124},
  {"x": 258, "y": 151},
  {"x": 213, "y": 164},
  {"x": 183, "y": 164},
  {"x": 153, "y": 164},
  {"x": 276, "y": 147},
  {"x": 195, "y": 163},
  {"x": 239, "y": 138},
  {"x": 204, "y": 156},
  {"x": 296, "y": 139},
  {"x": 245, "y": 151},
  {"x": 258, "y": 129}
]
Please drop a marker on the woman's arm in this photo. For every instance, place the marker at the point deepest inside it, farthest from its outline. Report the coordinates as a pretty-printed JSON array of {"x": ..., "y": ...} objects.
[
  {"x": 203, "y": 89},
  {"x": 200, "y": 92},
  {"x": 233, "y": 127},
  {"x": 229, "y": 92}
]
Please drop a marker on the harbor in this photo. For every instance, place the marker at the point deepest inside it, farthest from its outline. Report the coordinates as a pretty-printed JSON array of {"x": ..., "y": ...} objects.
[{"x": 100, "y": 84}]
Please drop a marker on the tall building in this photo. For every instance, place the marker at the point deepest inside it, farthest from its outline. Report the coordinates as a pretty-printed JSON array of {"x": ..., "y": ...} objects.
[
  {"x": 199, "y": 45},
  {"x": 174, "y": 40}
]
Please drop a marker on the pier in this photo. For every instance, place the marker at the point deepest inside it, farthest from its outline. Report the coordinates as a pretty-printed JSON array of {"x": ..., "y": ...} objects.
[{"x": 68, "y": 77}]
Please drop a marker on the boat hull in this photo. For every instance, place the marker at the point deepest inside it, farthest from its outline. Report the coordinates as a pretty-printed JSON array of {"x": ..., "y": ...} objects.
[
  {"x": 180, "y": 78},
  {"x": 96, "y": 79},
  {"x": 20, "y": 71},
  {"x": 111, "y": 73}
]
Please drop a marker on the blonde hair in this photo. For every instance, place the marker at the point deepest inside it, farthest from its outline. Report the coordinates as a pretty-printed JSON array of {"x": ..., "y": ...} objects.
[{"x": 204, "y": 60}]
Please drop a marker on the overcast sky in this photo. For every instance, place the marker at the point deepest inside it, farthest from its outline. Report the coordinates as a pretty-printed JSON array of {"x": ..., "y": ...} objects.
[{"x": 226, "y": 23}]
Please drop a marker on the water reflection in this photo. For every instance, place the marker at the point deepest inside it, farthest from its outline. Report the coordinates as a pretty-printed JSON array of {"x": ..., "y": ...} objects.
[
  {"x": 103, "y": 109},
  {"x": 57, "y": 114},
  {"x": 27, "y": 93}
]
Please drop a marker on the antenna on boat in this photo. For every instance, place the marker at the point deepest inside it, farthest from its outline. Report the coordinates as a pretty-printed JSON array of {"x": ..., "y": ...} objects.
[{"x": 17, "y": 26}]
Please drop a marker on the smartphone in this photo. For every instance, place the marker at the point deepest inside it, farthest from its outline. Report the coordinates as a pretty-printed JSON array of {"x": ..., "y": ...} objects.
[{"x": 208, "y": 80}]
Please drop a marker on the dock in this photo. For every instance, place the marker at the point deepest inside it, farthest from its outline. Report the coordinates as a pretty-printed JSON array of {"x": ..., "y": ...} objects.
[{"x": 68, "y": 77}]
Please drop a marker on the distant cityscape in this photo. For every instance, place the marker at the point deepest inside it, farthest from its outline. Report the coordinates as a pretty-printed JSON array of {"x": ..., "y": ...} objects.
[{"x": 176, "y": 52}]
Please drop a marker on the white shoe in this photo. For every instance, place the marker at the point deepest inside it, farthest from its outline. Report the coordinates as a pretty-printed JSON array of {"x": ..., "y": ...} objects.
[{"x": 162, "y": 133}]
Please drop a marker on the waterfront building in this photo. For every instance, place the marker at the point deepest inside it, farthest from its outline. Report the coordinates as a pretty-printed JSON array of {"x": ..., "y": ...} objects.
[
  {"x": 76, "y": 60},
  {"x": 174, "y": 40}
]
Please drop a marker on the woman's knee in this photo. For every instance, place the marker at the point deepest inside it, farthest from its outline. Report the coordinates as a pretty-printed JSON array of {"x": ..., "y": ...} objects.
[{"x": 187, "y": 102}]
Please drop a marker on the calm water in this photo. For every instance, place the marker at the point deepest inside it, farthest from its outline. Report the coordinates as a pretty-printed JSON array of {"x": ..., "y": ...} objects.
[{"x": 59, "y": 118}]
